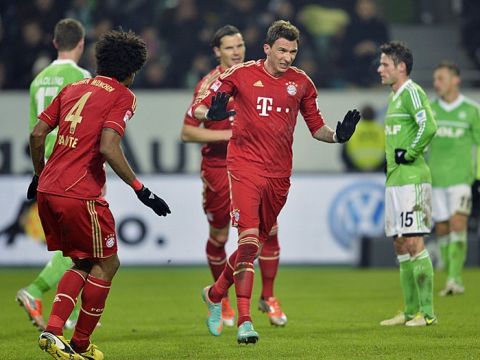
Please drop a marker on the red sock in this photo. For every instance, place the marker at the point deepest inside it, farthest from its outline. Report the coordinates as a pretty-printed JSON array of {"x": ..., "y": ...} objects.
[
  {"x": 225, "y": 280},
  {"x": 216, "y": 257},
  {"x": 94, "y": 295},
  {"x": 244, "y": 275},
  {"x": 268, "y": 261},
  {"x": 68, "y": 289}
]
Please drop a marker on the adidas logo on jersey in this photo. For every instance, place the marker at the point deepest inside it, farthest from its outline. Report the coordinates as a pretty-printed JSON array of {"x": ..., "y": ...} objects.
[{"x": 258, "y": 83}]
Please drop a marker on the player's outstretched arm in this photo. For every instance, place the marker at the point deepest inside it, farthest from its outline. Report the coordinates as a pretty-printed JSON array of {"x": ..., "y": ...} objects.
[
  {"x": 194, "y": 134},
  {"x": 110, "y": 148},
  {"x": 37, "y": 152}
]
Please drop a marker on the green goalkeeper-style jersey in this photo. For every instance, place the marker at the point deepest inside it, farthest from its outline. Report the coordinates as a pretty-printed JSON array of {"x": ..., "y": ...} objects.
[
  {"x": 409, "y": 125},
  {"x": 46, "y": 85},
  {"x": 450, "y": 155}
]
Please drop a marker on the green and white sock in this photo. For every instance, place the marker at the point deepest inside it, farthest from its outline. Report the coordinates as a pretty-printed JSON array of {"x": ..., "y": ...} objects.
[
  {"x": 443, "y": 243},
  {"x": 50, "y": 275},
  {"x": 457, "y": 252},
  {"x": 423, "y": 274},
  {"x": 407, "y": 283}
]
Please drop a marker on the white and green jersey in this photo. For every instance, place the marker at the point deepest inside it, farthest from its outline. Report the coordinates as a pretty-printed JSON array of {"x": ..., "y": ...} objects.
[
  {"x": 409, "y": 125},
  {"x": 450, "y": 156},
  {"x": 46, "y": 85}
]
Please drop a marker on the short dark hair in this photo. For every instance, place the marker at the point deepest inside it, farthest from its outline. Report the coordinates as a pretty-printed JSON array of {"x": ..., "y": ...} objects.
[
  {"x": 399, "y": 52},
  {"x": 452, "y": 67},
  {"x": 120, "y": 54},
  {"x": 282, "y": 29},
  {"x": 226, "y": 30},
  {"x": 68, "y": 33}
]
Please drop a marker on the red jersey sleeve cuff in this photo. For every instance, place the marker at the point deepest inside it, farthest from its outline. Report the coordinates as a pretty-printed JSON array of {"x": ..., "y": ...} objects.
[
  {"x": 114, "y": 126},
  {"x": 47, "y": 119},
  {"x": 316, "y": 128},
  {"x": 188, "y": 120}
]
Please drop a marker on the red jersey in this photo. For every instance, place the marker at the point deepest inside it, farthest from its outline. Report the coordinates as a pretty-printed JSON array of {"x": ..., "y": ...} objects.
[
  {"x": 266, "y": 114},
  {"x": 81, "y": 111},
  {"x": 214, "y": 154}
]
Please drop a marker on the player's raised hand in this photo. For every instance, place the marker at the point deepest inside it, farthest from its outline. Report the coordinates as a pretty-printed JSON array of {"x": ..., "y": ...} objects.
[
  {"x": 32, "y": 188},
  {"x": 346, "y": 128},
  {"x": 153, "y": 201},
  {"x": 218, "y": 107}
]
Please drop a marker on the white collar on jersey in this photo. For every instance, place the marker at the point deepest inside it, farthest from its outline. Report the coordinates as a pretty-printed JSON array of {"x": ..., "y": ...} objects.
[
  {"x": 453, "y": 105},
  {"x": 399, "y": 91},
  {"x": 64, "y": 61}
]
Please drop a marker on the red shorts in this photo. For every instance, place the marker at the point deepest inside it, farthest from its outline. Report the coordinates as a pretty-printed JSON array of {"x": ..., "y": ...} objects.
[
  {"x": 79, "y": 228},
  {"x": 216, "y": 196},
  {"x": 256, "y": 201}
]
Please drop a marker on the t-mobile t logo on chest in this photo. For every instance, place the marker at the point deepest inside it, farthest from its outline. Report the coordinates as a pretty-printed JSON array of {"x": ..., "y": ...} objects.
[{"x": 265, "y": 105}]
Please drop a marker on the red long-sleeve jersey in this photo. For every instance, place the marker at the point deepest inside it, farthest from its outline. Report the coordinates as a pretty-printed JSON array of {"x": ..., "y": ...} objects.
[{"x": 266, "y": 114}]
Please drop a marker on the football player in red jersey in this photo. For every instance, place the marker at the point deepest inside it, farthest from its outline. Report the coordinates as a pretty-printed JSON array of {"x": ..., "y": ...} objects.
[
  {"x": 268, "y": 95},
  {"x": 229, "y": 49},
  {"x": 91, "y": 116}
]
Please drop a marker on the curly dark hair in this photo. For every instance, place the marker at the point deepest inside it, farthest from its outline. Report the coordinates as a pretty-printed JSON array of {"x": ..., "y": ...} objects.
[
  {"x": 120, "y": 54},
  {"x": 399, "y": 52}
]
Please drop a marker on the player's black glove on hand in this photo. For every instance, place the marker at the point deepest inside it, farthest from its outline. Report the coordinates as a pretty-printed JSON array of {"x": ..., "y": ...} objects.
[
  {"x": 400, "y": 156},
  {"x": 32, "y": 188},
  {"x": 346, "y": 128},
  {"x": 153, "y": 201},
  {"x": 218, "y": 108}
]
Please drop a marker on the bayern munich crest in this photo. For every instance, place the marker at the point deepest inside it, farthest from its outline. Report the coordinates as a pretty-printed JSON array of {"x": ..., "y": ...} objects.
[
  {"x": 235, "y": 215},
  {"x": 291, "y": 88},
  {"x": 110, "y": 240}
]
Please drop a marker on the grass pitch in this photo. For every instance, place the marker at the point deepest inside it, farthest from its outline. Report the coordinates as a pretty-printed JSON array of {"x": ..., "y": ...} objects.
[{"x": 333, "y": 313}]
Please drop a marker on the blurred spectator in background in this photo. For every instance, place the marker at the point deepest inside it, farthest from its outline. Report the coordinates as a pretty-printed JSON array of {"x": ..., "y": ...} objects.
[
  {"x": 471, "y": 29},
  {"x": 366, "y": 149},
  {"x": 26, "y": 51},
  {"x": 153, "y": 76},
  {"x": 322, "y": 25},
  {"x": 180, "y": 27},
  {"x": 363, "y": 35}
]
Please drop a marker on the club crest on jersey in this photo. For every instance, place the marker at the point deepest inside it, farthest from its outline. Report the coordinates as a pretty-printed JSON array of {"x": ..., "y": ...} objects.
[
  {"x": 216, "y": 85},
  {"x": 127, "y": 116},
  {"x": 110, "y": 240},
  {"x": 291, "y": 88}
]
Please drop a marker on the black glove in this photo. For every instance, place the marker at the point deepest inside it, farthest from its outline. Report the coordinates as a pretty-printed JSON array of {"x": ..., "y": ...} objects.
[
  {"x": 346, "y": 128},
  {"x": 32, "y": 188},
  {"x": 153, "y": 201},
  {"x": 218, "y": 108},
  {"x": 400, "y": 157}
]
